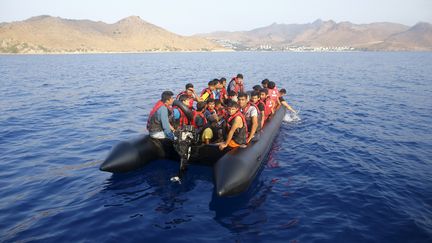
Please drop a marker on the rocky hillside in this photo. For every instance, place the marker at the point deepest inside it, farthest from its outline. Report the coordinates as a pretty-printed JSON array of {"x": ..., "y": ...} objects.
[
  {"x": 319, "y": 34},
  {"x": 46, "y": 34}
]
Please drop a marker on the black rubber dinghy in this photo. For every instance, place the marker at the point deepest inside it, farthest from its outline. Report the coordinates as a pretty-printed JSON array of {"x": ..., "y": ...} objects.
[{"x": 234, "y": 170}]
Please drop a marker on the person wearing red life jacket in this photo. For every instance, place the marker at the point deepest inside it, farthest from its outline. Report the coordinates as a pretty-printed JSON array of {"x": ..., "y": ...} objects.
[
  {"x": 180, "y": 118},
  {"x": 250, "y": 112},
  {"x": 236, "y": 84},
  {"x": 223, "y": 91},
  {"x": 190, "y": 91},
  {"x": 211, "y": 113},
  {"x": 158, "y": 122},
  {"x": 232, "y": 95},
  {"x": 268, "y": 104},
  {"x": 219, "y": 109},
  {"x": 273, "y": 93},
  {"x": 236, "y": 127},
  {"x": 208, "y": 92},
  {"x": 282, "y": 101},
  {"x": 255, "y": 99},
  {"x": 201, "y": 124}
]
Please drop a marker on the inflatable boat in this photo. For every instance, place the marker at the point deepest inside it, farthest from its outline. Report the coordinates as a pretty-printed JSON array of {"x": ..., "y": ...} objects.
[{"x": 234, "y": 169}]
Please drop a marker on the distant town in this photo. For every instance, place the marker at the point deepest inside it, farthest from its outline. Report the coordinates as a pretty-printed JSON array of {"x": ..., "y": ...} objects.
[{"x": 237, "y": 46}]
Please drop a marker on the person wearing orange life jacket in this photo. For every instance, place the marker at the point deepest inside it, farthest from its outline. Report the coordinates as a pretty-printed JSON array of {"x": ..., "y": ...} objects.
[
  {"x": 282, "y": 101},
  {"x": 190, "y": 91},
  {"x": 273, "y": 93},
  {"x": 180, "y": 118},
  {"x": 236, "y": 127},
  {"x": 208, "y": 92},
  {"x": 236, "y": 84},
  {"x": 250, "y": 112},
  {"x": 158, "y": 123},
  {"x": 268, "y": 104},
  {"x": 255, "y": 99}
]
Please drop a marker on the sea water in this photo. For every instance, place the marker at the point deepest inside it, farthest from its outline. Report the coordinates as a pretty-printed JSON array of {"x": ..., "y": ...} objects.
[{"x": 355, "y": 165}]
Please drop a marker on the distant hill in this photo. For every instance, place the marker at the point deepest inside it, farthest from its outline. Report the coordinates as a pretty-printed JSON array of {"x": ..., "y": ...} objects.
[
  {"x": 339, "y": 36},
  {"x": 46, "y": 34},
  {"x": 417, "y": 38}
]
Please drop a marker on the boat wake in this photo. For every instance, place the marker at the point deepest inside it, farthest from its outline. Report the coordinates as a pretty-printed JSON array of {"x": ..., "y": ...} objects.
[{"x": 291, "y": 117}]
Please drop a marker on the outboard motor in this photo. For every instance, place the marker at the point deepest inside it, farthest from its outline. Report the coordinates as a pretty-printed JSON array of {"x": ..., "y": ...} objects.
[{"x": 184, "y": 139}]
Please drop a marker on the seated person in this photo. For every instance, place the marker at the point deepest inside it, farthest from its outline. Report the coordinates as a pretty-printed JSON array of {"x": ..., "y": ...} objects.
[
  {"x": 232, "y": 95},
  {"x": 209, "y": 91},
  {"x": 190, "y": 91},
  {"x": 236, "y": 127},
  {"x": 268, "y": 104},
  {"x": 255, "y": 99},
  {"x": 200, "y": 123},
  {"x": 250, "y": 112},
  {"x": 211, "y": 113},
  {"x": 220, "y": 109},
  {"x": 180, "y": 118},
  {"x": 158, "y": 123}
]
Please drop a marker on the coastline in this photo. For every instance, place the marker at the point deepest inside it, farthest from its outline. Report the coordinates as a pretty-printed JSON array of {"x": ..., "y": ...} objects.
[{"x": 213, "y": 51}]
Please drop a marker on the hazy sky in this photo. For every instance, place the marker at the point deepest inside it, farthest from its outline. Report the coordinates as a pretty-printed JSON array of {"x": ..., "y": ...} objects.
[{"x": 197, "y": 16}]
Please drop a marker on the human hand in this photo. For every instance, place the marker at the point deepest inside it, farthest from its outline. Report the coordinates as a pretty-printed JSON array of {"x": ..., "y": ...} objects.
[{"x": 222, "y": 146}]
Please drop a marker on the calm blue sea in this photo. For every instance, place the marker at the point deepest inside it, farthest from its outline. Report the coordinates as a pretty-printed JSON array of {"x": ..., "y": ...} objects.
[{"x": 357, "y": 167}]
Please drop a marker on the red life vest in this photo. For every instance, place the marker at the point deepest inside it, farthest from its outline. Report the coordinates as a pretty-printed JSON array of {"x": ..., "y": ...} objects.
[
  {"x": 195, "y": 115},
  {"x": 156, "y": 107},
  {"x": 183, "y": 118},
  {"x": 223, "y": 94},
  {"x": 249, "y": 119},
  {"x": 273, "y": 94},
  {"x": 249, "y": 104},
  {"x": 237, "y": 87},
  {"x": 208, "y": 91},
  {"x": 191, "y": 101},
  {"x": 268, "y": 105},
  {"x": 238, "y": 113}
]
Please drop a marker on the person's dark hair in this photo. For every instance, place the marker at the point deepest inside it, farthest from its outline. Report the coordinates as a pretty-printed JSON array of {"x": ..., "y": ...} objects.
[
  {"x": 232, "y": 93},
  {"x": 210, "y": 100},
  {"x": 216, "y": 81},
  {"x": 239, "y": 76},
  {"x": 189, "y": 85},
  {"x": 222, "y": 79},
  {"x": 212, "y": 82},
  {"x": 265, "y": 81},
  {"x": 242, "y": 95},
  {"x": 232, "y": 103},
  {"x": 218, "y": 102},
  {"x": 264, "y": 91},
  {"x": 166, "y": 95},
  {"x": 256, "y": 87},
  {"x": 255, "y": 93},
  {"x": 271, "y": 85},
  {"x": 283, "y": 91},
  {"x": 183, "y": 97},
  {"x": 200, "y": 106}
]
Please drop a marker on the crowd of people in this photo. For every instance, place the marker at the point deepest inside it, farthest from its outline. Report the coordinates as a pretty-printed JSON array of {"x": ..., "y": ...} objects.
[{"x": 222, "y": 114}]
